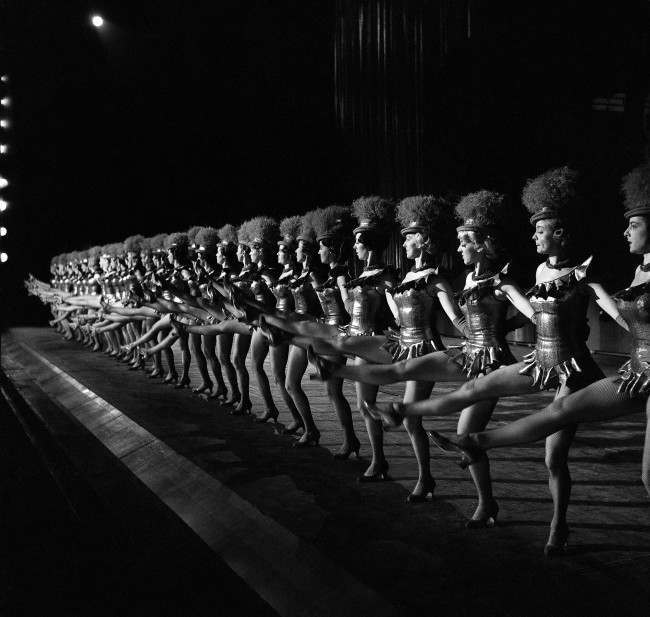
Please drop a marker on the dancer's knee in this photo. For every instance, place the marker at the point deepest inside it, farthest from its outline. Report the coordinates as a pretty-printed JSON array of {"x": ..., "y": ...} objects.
[
  {"x": 556, "y": 460},
  {"x": 239, "y": 363},
  {"x": 292, "y": 385},
  {"x": 645, "y": 478},
  {"x": 412, "y": 424}
]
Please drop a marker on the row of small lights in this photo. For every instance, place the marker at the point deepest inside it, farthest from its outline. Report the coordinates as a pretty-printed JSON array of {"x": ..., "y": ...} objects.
[{"x": 5, "y": 103}]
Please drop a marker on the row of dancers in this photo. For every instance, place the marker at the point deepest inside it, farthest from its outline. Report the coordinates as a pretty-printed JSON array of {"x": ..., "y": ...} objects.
[{"x": 285, "y": 290}]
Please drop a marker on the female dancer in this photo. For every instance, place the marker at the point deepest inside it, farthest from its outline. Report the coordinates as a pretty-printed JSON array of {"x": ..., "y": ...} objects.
[
  {"x": 561, "y": 359},
  {"x": 285, "y": 306},
  {"x": 608, "y": 398},
  {"x": 484, "y": 304}
]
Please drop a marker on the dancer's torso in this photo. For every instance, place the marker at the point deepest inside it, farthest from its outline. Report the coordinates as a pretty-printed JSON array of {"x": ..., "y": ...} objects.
[
  {"x": 370, "y": 313},
  {"x": 634, "y": 306},
  {"x": 329, "y": 296},
  {"x": 306, "y": 302},
  {"x": 284, "y": 302}
]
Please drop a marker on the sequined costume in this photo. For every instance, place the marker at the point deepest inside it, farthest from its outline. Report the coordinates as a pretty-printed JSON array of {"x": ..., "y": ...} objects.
[
  {"x": 306, "y": 302},
  {"x": 329, "y": 296},
  {"x": 561, "y": 355},
  {"x": 486, "y": 348},
  {"x": 634, "y": 306},
  {"x": 416, "y": 304},
  {"x": 370, "y": 313},
  {"x": 284, "y": 299}
]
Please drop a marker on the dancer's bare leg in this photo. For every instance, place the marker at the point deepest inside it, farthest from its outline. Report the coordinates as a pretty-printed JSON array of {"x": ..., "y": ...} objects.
[
  {"x": 241, "y": 345},
  {"x": 201, "y": 363},
  {"x": 418, "y": 390},
  {"x": 368, "y": 393},
  {"x": 208, "y": 346},
  {"x": 279, "y": 358},
  {"x": 259, "y": 351},
  {"x": 224, "y": 350},
  {"x": 296, "y": 367}
]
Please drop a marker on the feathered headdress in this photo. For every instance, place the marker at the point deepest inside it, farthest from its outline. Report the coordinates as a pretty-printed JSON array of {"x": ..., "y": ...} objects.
[
  {"x": 550, "y": 195},
  {"x": 636, "y": 191},
  {"x": 207, "y": 239},
  {"x": 243, "y": 235},
  {"x": 133, "y": 244},
  {"x": 228, "y": 234},
  {"x": 145, "y": 246},
  {"x": 307, "y": 231},
  {"x": 332, "y": 222},
  {"x": 157, "y": 243},
  {"x": 373, "y": 213},
  {"x": 177, "y": 241},
  {"x": 262, "y": 230},
  {"x": 428, "y": 214},
  {"x": 191, "y": 234},
  {"x": 481, "y": 211},
  {"x": 93, "y": 254},
  {"x": 289, "y": 230}
]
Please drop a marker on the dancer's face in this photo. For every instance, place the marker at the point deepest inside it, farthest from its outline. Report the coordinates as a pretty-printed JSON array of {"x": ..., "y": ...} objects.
[
  {"x": 637, "y": 235},
  {"x": 325, "y": 254},
  {"x": 283, "y": 255},
  {"x": 548, "y": 236},
  {"x": 256, "y": 253},
  {"x": 221, "y": 255},
  {"x": 360, "y": 248},
  {"x": 170, "y": 257},
  {"x": 468, "y": 247},
  {"x": 241, "y": 252},
  {"x": 413, "y": 245},
  {"x": 301, "y": 254}
]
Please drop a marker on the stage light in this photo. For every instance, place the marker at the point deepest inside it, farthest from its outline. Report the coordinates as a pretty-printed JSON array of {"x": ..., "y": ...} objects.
[
  {"x": 3, "y": 231},
  {"x": 4, "y": 78},
  {"x": 3, "y": 182},
  {"x": 4, "y": 148},
  {"x": 4, "y": 123},
  {"x": 3, "y": 257},
  {"x": 5, "y": 101},
  {"x": 97, "y": 21},
  {"x": 3, "y": 205}
]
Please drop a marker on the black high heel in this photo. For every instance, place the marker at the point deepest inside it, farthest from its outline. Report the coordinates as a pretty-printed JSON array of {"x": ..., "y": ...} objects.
[
  {"x": 183, "y": 383},
  {"x": 269, "y": 414},
  {"x": 422, "y": 497},
  {"x": 470, "y": 452},
  {"x": 293, "y": 428},
  {"x": 344, "y": 453},
  {"x": 308, "y": 440},
  {"x": 171, "y": 378},
  {"x": 219, "y": 394},
  {"x": 206, "y": 386},
  {"x": 557, "y": 542},
  {"x": 378, "y": 476},
  {"x": 488, "y": 520},
  {"x": 389, "y": 414},
  {"x": 242, "y": 409}
]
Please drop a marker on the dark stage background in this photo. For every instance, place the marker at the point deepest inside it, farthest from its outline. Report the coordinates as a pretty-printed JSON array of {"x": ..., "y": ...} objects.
[{"x": 183, "y": 113}]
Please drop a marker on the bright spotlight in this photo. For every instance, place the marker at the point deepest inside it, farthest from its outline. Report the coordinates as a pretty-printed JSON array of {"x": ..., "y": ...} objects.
[
  {"x": 4, "y": 78},
  {"x": 5, "y": 101},
  {"x": 3, "y": 257},
  {"x": 4, "y": 123},
  {"x": 97, "y": 21},
  {"x": 3, "y": 205},
  {"x": 3, "y": 182},
  {"x": 3, "y": 231},
  {"x": 3, "y": 148}
]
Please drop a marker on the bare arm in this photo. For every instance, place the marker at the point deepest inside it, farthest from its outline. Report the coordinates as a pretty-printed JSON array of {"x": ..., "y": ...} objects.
[{"x": 605, "y": 302}]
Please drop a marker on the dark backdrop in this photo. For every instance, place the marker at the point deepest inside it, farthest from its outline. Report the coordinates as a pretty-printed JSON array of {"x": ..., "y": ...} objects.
[{"x": 182, "y": 113}]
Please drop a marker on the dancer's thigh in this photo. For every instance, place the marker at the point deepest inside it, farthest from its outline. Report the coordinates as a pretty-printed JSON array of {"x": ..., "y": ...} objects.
[
  {"x": 296, "y": 365},
  {"x": 279, "y": 356},
  {"x": 224, "y": 346},
  {"x": 505, "y": 381},
  {"x": 241, "y": 344},
  {"x": 476, "y": 417},
  {"x": 367, "y": 347},
  {"x": 435, "y": 366},
  {"x": 259, "y": 348}
]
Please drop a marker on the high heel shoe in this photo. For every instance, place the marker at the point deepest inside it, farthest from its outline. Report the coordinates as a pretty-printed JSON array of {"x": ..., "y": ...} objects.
[
  {"x": 557, "y": 542},
  {"x": 389, "y": 414},
  {"x": 170, "y": 378},
  {"x": 324, "y": 368},
  {"x": 269, "y": 414},
  {"x": 294, "y": 428},
  {"x": 347, "y": 449},
  {"x": 242, "y": 409},
  {"x": 308, "y": 440},
  {"x": 470, "y": 452},
  {"x": 183, "y": 383},
  {"x": 156, "y": 372},
  {"x": 206, "y": 386},
  {"x": 422, "y": 497},
  {"x": 487, "y": 520},
  {"x": 220, "y": 394},
  {"x": 377, "y": 476}
]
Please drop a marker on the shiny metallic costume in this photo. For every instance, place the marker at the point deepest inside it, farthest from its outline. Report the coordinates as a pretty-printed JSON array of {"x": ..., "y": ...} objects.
[
  {"x": 306, "y": 302},
  {"x": 284, "y": 302},
  {"x": 370, "y": 313},
  {"x": 329, "y": 296},
  {"x": 485, "y": 348},
  {"x": 416, "y": 304},
  {"x": 634, "y": 306},
  {"x": 561, "y": 355}
]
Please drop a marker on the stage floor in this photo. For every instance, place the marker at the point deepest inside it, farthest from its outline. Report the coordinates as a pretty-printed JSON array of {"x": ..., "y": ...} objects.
[{"x": 317, "y": 542}]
